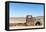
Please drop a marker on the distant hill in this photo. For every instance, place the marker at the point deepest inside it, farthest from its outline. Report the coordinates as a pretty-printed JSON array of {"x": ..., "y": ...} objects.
[{"x": 18, "y": 18}]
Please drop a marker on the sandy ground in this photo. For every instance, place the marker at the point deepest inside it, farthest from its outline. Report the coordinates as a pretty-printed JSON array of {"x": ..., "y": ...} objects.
[
  {"x": 20, "y": 20},
  {"x": 23, "y": 27},
  {"x": 17, "y": 20}
]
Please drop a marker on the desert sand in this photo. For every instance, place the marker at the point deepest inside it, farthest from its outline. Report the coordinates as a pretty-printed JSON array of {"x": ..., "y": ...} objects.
[{"x": 20, "y": 20}]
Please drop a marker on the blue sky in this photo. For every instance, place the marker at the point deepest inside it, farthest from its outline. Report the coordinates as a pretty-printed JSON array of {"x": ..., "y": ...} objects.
[{"x": 21, "y": 10}]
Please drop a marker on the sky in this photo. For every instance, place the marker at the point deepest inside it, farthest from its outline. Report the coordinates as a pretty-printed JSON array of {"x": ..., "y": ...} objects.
[{"x": 21, "y": 10}]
